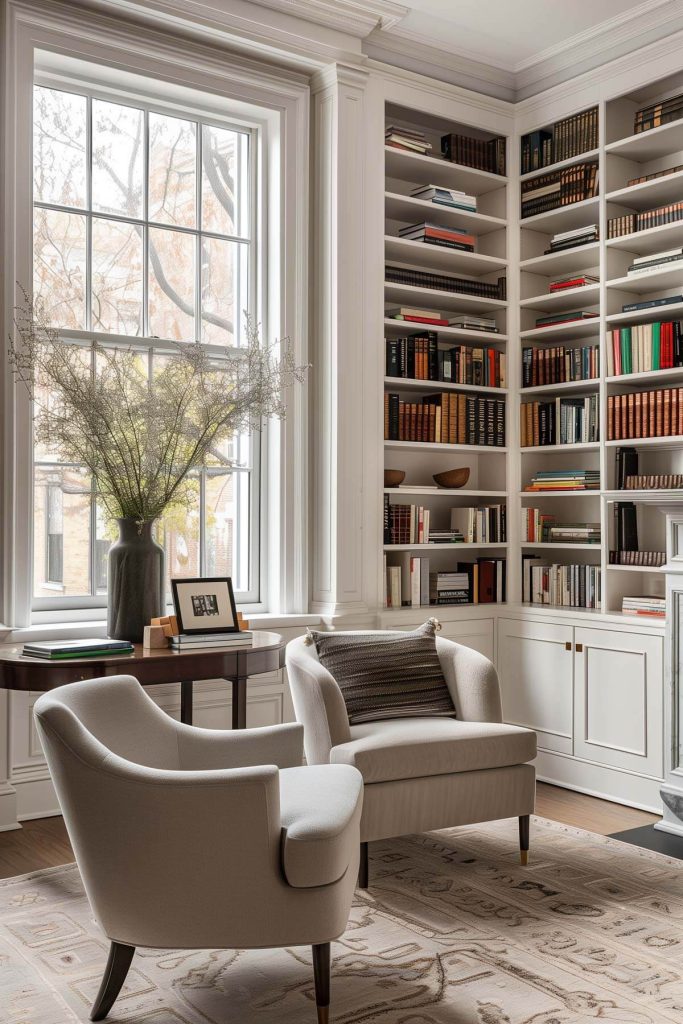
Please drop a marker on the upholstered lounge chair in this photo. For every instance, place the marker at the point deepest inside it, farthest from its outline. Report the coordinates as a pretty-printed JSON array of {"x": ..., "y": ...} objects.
[
  {"x": 422, "y": 773},
  {"x": 197, "y": 838}
]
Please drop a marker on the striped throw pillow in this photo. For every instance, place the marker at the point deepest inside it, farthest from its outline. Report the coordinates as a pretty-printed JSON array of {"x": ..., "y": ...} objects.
[{"x": 386, "y": 674}]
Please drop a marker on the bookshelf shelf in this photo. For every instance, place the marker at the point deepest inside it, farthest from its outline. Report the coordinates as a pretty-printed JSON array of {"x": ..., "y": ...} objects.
[
  {"x": 582, "y": 257},
  {"x": 438, "y": 446},
  {"x": 589, "y": 386},
  {"x": 575, "y": 329},
  {"x": 636, "y": 568},
  {"x": 420, "y": 169},
  {"x": 589, "y": 155},
  {"x": 436, "y": 299},
  {"x": 674, "y": 311},
  {"x": 649, "y": 194},
  {"x": 403, "y": 327},
  {"x": 650, "y": 240},
  {"x": 553, "y": 546},
  {"x": 412, "y": 210},
  {"x": 438, "y": 257},
  {"x": 449, "y": 546},
  {"x": 407, "y": 384},
  {"x": 653, "y": 496},
  {"x": 569, "y": 298},
  {"x": 444, "y": 492},
  {"x": 646, "y": 283},
  {"x": 650, "y": 145},
  {"x": 644, "y": 377},
  {"x": 574, "y": 215},
  {"x": 558, "y": 494},
  {"x": 647, "y": 442},
  {"x": 577, "y": 446}
]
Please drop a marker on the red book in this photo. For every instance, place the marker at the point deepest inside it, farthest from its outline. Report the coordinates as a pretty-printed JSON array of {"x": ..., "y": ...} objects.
[{"x": 425, "y": 320}]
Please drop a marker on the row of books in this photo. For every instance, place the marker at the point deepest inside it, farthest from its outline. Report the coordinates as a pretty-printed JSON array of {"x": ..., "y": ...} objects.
[
  {"x": 628, "y": 223},
  {"x": 572, "y": 281},
  {"x": 655, "y": 114},
  {"x": 445, "y": 283},
  {"x": 559, "y": 365},
  {"x": 483, "y": 154},
  {"x": 540, "y": 527},
  {"x": 409, "y": 581},
  {"x": 483, "y": 524},
  {"x": 564, "y": 480},
  {"x": 561, "y": 586},
  {"x": 562, "y": 421},
  {"x": 447, "y": 419},
  {"x": 654, "y": 174},
  {"x": 641, "y": 348},
  {"x": 656, "y": 413},
  {"x": 654, "y": 482},
  {"x": 559, "y": 188},
  {"x": 410, "y": 139},
  {"x": 572, "y": 316},
  {"x": 442, "y": 196},
  {"x": 648, "y": 559},
  {"x": 663, "y": 300},
  {"x": 436, "y": 234},
  {"x": 434, "y": 318},
  {"x": 405, "y": 524},
  {"x": 418, "y": 357},
  {"x": 565, "y": 139},
  {"x": 573, "y": 238},
  {"x": 411, "y": 524},
  {"x": 652, "y": 606}
]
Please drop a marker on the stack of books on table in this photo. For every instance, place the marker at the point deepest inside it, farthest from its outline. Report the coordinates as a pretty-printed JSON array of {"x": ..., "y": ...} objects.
[
  {"x": 565, "y": 480},
  {"x": 570, "y": 239},
  {"x": 670, "y": 259},
  {"x": 413, "y": 315},
  {"x": 406, "y": 138},
  {"x": 557, "y": 319},
  {"x": 445, "y": 197},
  {"x": 57, "y": 650},
  {"x": 653, "y": 606},
  {"x": 572, "y": 281},
  {"x": 435, "y": 234},
  {"x": 468, "y": 322},
  {"x": 205, "y": 641}
]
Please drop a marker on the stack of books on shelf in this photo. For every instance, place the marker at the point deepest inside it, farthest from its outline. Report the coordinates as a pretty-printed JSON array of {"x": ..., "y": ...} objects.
[
  {"x": 409, "y": 582},
  {"x": 410, "y": 139},
  {"x": 442, "y": 196},
  {"x": 205, "y": 641},
  {"x": 628, "y": 223},
  {"x": 654, "y": 174},
  {"x": 413, "y": 315},
  {"x": 436, "y": 234},
  {"x": 561, "y": 586},
  {"x": 449, "y": 588},
  {"x": 469, "y": 322},
  {"x": 447, "y": 419},
  {"x": 559, "y": 365},
  {"x": 564, "y": 480},
  {"x": 641, "y": 414},
  {"x": 446, "y": 537},
  {"x": 672, "y": 259},
  {"x": 572, "y": 316},
  {"x": 59, "y": 650},
  {"x": 665, "y": 300},
  {"x": 445, "y": 283},
  {"x": 652, "y": 606},
  {"x": 559, "y": 188},
  {"x": 418, "y": 357},
  {"x": 573, "y": 238},
  {"x": 655, "y": 114},
  {"x": 483, "y": 525},
  {"x": 483, "y": 154},
  {"x": 647, "y": 559},
  {"x": 540, "y": 528},
  {"x": 572, "y": 281},
  {"x": 562, "y": 421},
  {"x": 405, "y": 524},
  {"x": 563, "y": 140},
  {"x": 642, "y": 348}
]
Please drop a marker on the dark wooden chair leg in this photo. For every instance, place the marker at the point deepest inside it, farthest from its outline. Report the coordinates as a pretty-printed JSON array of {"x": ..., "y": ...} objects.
[
  {"x": 115, "y": 972},
  {"x": 524, "y": 838},
  {"x": 321, "y": 974},
  {"x": 363, "y": 867}
]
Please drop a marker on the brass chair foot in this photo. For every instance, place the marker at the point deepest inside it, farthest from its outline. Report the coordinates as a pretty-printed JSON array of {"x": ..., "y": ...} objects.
[
  {"x": 323, "y": 1014},
  {"x": 524, "y": 857}
]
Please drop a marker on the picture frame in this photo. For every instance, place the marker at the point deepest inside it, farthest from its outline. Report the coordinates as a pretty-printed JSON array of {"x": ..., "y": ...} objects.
[{"x": 205, "y": 605}]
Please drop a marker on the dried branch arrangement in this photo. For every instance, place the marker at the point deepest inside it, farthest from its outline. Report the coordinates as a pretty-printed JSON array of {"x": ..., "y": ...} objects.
[{"x": 140, "y": 435}]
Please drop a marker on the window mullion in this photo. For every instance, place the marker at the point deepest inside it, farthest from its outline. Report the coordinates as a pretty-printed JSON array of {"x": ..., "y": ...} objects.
[
  {"x": 145, "y": 228},
  {"x": 202, "y": 521},
  {"x": 88, "y": 216},
  {"x": 198, "y": 225}
]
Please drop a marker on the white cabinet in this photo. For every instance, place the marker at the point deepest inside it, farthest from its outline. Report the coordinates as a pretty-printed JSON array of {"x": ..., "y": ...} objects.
[
  {"x": 618, "y": 699},
  {"x": 535, "y": 669}
]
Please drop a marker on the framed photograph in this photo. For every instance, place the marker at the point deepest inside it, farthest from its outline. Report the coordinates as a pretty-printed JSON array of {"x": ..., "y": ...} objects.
[{"x": 205, "y": 605}]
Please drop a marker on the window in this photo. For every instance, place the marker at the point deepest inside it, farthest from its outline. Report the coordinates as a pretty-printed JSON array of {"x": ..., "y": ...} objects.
[{"x": 145, "y": 231}]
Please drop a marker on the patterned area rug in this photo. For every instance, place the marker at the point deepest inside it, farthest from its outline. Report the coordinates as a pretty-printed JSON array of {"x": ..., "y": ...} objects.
[{"x": 453, "y": 931}]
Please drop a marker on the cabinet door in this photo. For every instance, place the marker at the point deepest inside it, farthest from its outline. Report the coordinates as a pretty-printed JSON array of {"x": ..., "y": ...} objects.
[
  {"x": 535, "y": 669},
  {"x": 618, "y": 688}
]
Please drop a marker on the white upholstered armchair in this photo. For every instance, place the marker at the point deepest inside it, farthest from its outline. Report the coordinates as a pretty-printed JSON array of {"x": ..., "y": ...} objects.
[
  {"x": 422, "y": 773},
  {"x": 197, "y": 838}
]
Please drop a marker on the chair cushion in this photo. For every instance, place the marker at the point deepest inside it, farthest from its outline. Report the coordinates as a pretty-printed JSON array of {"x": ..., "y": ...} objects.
[
  {"x": 417, "y": 747},
  {"x": 320, "y": 810},
  {"x": 386, "y": 674}
]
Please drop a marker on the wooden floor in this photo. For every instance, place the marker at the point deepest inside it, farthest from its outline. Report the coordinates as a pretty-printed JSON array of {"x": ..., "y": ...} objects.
[{"x": 44, "y": 843}]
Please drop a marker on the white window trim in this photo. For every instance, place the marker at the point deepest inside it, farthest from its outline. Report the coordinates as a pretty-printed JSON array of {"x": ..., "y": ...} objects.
[{"x": 279, "y": 100}]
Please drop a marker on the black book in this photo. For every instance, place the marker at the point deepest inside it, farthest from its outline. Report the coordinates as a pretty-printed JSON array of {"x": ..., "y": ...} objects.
[
  {"x": 626, "y": 526},
  {"x": 626, "y": 465}
]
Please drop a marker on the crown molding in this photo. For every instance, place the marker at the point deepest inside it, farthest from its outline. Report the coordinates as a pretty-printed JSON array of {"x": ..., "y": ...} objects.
[{"x": 353, "y": 17}]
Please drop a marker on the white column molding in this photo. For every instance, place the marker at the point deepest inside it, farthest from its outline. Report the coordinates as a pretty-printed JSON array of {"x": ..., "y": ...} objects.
[{"x": 338, "y": 340}]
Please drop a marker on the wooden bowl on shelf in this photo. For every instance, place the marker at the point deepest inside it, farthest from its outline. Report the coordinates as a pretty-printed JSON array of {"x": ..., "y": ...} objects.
[
  {"x": 452, "y": 478},
  {"x": 394, "y": 477}
]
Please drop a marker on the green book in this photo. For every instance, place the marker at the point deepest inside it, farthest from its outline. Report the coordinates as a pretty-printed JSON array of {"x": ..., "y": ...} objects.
[
  {"x": 64, "y": 655},
  {"x": 626, "y": 350},
  {"x": 656, "y": 346}
]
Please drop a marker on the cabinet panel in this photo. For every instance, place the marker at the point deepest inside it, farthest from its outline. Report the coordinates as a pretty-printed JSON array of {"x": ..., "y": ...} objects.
[
  {"x": 535, "y": 670},
  {"x": 618, "y": 699},
  {"x": 474, "y": 633}
]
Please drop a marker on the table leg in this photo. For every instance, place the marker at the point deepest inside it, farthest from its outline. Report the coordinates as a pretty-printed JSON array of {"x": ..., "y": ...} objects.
[
  {"x": 186, "y": 701},
  {"x": 239, "y": 702}
]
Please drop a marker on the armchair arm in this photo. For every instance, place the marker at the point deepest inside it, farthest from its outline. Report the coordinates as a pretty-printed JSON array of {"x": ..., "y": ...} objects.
[
  {"x": 318, "y": 702},
  {"x": 281, "y": 745},
  {"x": 472, "y": 681}
]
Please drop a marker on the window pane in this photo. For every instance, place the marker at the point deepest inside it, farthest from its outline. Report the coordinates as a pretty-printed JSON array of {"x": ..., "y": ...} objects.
[
  {"x": 59, "y": 275},
  {"x": 117, "y": 151},
  {"x": 226, "y": 523},
  {"x": 116, "y": 277},
  {"x": 59, "y": 147},
  {"x": 61, "y": 545},
  {"x": 225, "y": 279},
  {"x": 179, "y": 535},
  {"x": 225, "y": 189},
  {"x": 172, "y": 171},
  {"x": 171, "y": 285}
]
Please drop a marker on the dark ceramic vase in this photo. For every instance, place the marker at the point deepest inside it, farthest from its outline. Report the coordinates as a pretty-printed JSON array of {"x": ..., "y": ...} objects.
[{"x": 136, "y": 581}]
